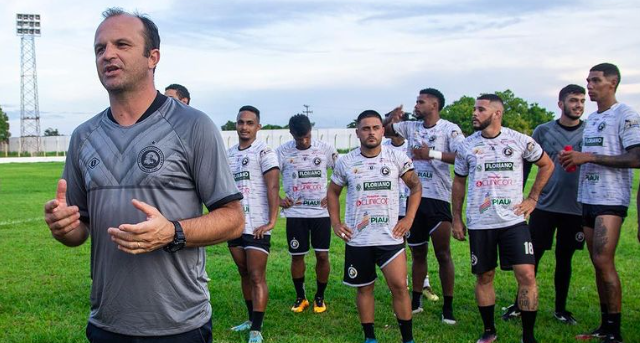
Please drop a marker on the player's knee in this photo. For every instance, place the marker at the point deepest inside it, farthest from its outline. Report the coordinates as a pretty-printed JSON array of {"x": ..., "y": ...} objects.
[
  {"x": 443, "y": 256},
  {"x": 419, "y": 252},
  {"x": 322, "y": 257},
  {"x": 256, "y": 277},
  {"x": 526, "y": 278},
  {"x": 485, "y": 278},
  {"x": 602, "y": 262}
]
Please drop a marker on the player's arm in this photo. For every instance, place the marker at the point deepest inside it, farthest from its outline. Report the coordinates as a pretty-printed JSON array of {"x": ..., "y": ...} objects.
[
  {"x": 545, "y": 169},
  {"x": 458, "y": 191},
  {"x": 395, "y": 116},
  {"x": 64, "y": 221},
  {"x": 333, "y": 206},
  {"x": 219, "y": 225},
  {"x": 630, "y": 159},
  {"x": 412, "y": 181},
  {"x": 271, "y": 179}
]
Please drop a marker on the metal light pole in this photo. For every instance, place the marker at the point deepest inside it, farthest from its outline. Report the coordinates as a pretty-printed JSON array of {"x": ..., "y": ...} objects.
[{"x": 28, "y": 27}]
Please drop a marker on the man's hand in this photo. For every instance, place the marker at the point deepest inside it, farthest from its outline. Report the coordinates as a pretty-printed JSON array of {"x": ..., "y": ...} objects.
[
  {"x": 525, "y": 208},
  {"x": 459, "y": 230},
  {"x": 152, "y": 234},
  {"x": 402, "y": 227},
  {"x": 574, "y": 158},
  {"x": 61, "y": 218},
  {"x": 323, "y": 202},
  {"x": 259, "y": 232},
  {"x": 421, "y": 153},
  {"x": 286, "y": 202},
  {"x": 342, "y": 231}
]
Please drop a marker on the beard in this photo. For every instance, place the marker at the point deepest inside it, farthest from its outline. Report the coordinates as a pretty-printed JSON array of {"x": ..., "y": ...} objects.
[
  {"x": 483, "y": 124},
  {"x": 371, "y": 145},
  {"x": 567, "y": 112}
]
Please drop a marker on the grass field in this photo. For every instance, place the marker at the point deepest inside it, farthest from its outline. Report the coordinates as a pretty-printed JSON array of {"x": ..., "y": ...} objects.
[{"x": 44, "y": 286}]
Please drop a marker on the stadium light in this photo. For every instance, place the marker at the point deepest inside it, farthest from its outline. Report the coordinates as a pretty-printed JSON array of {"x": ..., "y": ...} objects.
[{"x": 28, "y": 24}]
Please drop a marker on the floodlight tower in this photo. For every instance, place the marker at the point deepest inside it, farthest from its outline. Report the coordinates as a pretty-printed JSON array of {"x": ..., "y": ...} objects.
[{"x": 28, "y": 27}]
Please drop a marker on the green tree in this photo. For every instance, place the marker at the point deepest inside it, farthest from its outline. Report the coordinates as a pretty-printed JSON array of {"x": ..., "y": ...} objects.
[
  {"x": 51, "y": 132},
  {"x": 229, "y": 126},
  {"x": 518, "y": 114},
  {"x": 4, "y": 126}
]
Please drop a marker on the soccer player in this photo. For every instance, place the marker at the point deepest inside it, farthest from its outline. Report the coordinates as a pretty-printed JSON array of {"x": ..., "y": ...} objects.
[
  {"x": 178, "y": 92},
  {"x": 135, "y": 180},
  {"x": 432, "y": 146},
  {"x": 303, "y": 163},
  {"x": 610, "y": 145},
  {"x": 557, "y": 206},
  {"x": 371, "y": 230},
  {"x": 255, "y": 168},
  {"x": 493, "y": 158}
]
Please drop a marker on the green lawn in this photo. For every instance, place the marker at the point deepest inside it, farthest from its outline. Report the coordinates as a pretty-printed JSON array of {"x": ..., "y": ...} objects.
[{"x": 44, "y": 286}]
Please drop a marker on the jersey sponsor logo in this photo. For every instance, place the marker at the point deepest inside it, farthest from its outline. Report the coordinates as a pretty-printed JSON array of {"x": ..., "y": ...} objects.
[
  {"x": 477, "y": 151},
  {"x": 631, "y": 124},
  {"x": 485, "y": 204},
  {"x": 592, "y": 177},
  {"x": 372, "y": 200},
  {"x": 245, "y": 161},
  {"x": 385, "y": 171},
  {"x": 364, "y": 222},
  {"x": 352, "y": 272},
  {"x": 425, "y": 175},
  {"x": 531, "y": 146},
  {"x": 377, "y": 185},
  {"x": 501, "y": 201},
  {"x": 602, "y": 126},
  {"x": 379, "y": 220},
  {"x": 498, "y": 166},
  {"x": 479, "y": 167},
  {"x": 507, "y": 151},
  {"x": 245, "y": 208},
  {"x": 494, "y": 182},
  {"x": 311, "y": 202},
  {"x": 243, "y": 175},
  {"x": 308, "y": 187},
  {"x": 593, "y": 141},
  {"x": 294, "y": 244},
  {"x": 303, "y": 174},
  {"x": 265, "y": 151},
  {"x": 454, "y": 133},
  {"x": 94, "y": 163},
  {"x": 317, "y": 161},
  {"x": 150, "y": 159}
]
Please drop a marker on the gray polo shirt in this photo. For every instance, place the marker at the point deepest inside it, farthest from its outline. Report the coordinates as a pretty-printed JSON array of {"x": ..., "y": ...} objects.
[{"x": 174, "y": 159}]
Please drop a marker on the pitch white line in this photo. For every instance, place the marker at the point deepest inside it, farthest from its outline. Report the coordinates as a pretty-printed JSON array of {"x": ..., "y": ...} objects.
[{"x": 14, "y": 222}]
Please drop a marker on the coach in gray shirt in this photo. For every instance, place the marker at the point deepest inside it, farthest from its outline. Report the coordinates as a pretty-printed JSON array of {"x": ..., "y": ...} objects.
[{"x": 135, "y": 179}]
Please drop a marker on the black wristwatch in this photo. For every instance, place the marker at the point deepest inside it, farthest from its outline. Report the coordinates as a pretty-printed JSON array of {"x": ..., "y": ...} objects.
[{"x": 179, "y": 240}]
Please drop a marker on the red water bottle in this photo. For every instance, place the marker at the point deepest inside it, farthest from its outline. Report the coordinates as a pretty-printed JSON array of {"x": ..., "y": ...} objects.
[{"x": 572, "y": 168}]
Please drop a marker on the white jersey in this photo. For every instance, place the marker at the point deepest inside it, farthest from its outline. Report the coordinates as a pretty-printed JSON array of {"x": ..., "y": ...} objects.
[
  {"x": 608, "y": 133},
  {"x": 434, "y": 175},
  {"x": 248, "y": 167},
  {"x": 495, "y": 167},
  {"x": 402, "y": 188},
  {"x": 372, "y": 194},
  {"x": 304, "y": 177}
]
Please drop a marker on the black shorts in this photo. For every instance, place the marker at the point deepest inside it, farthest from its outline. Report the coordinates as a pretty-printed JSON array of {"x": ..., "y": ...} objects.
[
  {"x": 249, "y": 242},
  {"x": 299, "y": 230},
  {"x": 543, "y": 224},
  {"x": 360, "y": 262},
  {"x": 590, "y": 212},
  {"x": 430, "y": 214},
  {"x": 513, "y": 242}
]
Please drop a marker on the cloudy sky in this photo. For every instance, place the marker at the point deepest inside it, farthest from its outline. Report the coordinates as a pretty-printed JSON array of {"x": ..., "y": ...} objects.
[{"x": 339, "y": 57}]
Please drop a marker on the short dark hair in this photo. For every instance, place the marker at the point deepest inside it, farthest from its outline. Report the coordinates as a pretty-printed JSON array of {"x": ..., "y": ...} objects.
[
  {"x": 608, "y": 69},
  {"x": 491, "y": 98},
  {"x": 150, "y": 32},
  {"x": 570, "y": 89},
  {"x": 299, "y": 125},
  {"x": 436, "y": 94},
  {"x": 180, "y": 90},
  {"x": 250, "y": 109},
  {"x": 368, "y": 114}
]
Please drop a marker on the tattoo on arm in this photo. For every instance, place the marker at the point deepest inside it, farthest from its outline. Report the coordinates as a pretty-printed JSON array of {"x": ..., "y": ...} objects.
[{"x": 630, "y": 159}]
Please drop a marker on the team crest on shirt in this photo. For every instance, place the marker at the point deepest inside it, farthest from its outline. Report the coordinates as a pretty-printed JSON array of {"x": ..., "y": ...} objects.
[
  {"x": 150, "y": 159},
  {"x": 317, "y": 161},
  {"x": 579, "y": 237},
  {"x": 358, "y": 187},
  {"x": 352, "y": 272},
  {"x": 294, "y": 244},
  {"x": 93, "y": 163},
  {"x": 474, "y": 259},
  {"x": 602, "y": 126},
  {"x": 385, "y": 171},
  {"x": 432, "y": 139},
  {"x": 454, "y": 133},
  {"x": 245, "y": 160},
  {"x": 508, "y": 151}
]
